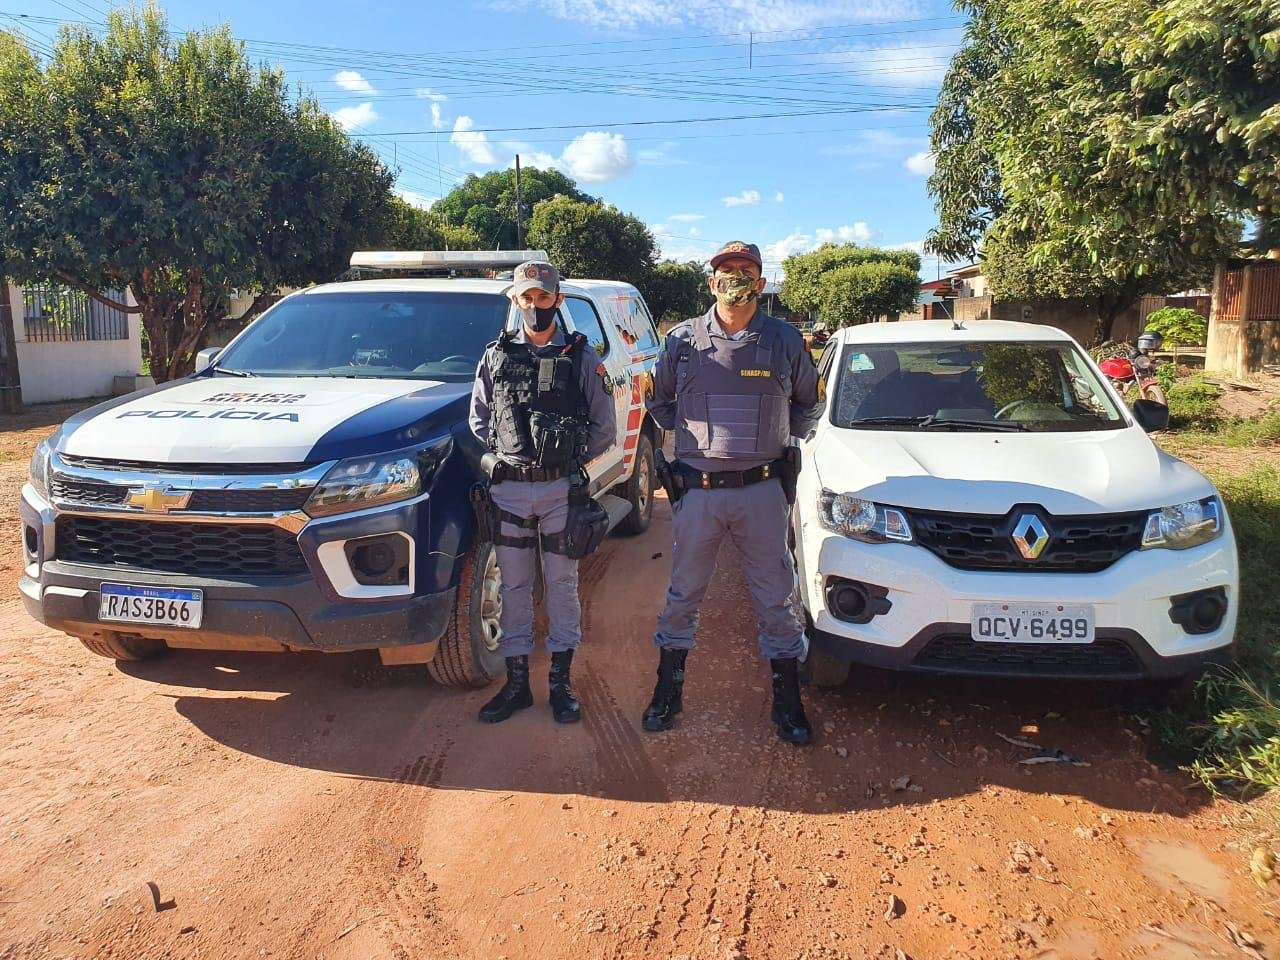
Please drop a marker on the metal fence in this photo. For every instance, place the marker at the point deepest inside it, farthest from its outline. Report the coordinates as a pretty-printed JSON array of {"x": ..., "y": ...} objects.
[{"x": 53, "y": 312}]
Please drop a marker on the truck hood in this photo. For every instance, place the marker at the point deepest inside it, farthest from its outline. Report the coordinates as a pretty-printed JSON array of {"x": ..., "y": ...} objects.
[
  {"x": 284, "y": 420},
  {"x": 1109, "y": 471}
]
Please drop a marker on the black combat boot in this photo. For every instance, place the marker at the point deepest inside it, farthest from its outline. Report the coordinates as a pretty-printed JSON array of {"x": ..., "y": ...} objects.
[
  {"x": 514, "y": 695},
  {"x": 564, "y": 705},
  {"x": 788, "y": 711},
  {"x": 668, "y": 695}
]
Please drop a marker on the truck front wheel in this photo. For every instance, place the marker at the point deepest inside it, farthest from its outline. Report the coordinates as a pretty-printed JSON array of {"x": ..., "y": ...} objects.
[
  {"x": 123, "y": 646},
  {"x": 468, "y": 654}
]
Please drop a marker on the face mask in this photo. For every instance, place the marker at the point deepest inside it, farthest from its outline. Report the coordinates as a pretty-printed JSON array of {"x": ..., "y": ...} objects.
[
  {"x": 736, "y": 287},
  {"x": 537, "y": 319}
]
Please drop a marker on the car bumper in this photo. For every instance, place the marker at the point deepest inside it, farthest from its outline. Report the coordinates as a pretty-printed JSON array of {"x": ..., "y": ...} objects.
[
  {"x": 302, "y": 612},
  {"x": 927, "y": 625}
]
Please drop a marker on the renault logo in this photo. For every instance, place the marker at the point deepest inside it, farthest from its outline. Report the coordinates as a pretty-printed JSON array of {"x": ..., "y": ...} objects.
[
  {"x": 1030, "y": 536},
  {"x": 158, "y": 500}
]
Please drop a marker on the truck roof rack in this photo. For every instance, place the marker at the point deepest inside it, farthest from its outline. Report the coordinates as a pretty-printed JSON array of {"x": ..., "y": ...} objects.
[{"x": 434, "y": 263}]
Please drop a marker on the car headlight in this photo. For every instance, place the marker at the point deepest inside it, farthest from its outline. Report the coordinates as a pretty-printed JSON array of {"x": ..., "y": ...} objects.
[
  {"x": 862, "y": 519},
  {"x": 40, "y": 466},
  {"x": 1184, "y": 525},
  {"x": 362, "y": 482}
]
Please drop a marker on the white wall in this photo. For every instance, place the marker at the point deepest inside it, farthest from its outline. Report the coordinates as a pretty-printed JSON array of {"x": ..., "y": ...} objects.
[{"x": 74, "y": 369}]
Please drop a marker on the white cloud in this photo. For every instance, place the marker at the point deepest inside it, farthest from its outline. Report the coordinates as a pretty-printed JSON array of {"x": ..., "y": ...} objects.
[
  {"x": 353, "y": 81},
  {"x": 415, "y": 199},
  {"x": 361, "y": 115},
  {"x": 792, "y": 243},
  {"x": 777, "y": 197},
  {"x": 747, "y": 198},
  {"x": 874, "y": 142},
  {"x": 474, "y": 146},
  {"x": 660, "y": 156},
  {"x": 597, "y": 157},
  {"x": 422, "y": 93},
  {"x": 695, "y": 232},
  {"x": 437, "y": 121},
  {"x": 921, "y": 164},
  {"x": 686, "y": 217},
  {"x": 854, "y": 233},
  {"x": 801, "y": 242},
  {"x": 726, "y": 16}
]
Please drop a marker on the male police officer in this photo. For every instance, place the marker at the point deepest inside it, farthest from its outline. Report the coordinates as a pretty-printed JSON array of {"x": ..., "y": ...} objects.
[
  {"x": 735, "y": 384},
  {"x": 543, "y": 407}
]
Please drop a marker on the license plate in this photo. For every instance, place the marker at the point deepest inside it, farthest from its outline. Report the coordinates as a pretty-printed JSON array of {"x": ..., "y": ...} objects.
[
  {"x": 1032, "y": 622},
  {"x": 159, "y": 606}
]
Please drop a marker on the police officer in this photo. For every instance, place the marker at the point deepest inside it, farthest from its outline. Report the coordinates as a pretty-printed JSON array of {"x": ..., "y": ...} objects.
[
  {"x": 543, "y": 407},
  {"x": 735, "y": 385}
]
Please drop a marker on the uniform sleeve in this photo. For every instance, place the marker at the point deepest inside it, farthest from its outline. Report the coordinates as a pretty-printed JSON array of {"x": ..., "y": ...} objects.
[
  {"x": 806, "y": 400},
  {"x": 481, "y": 394},
  {"x": 661, "y": 403},
  {"x": 600, "y": 406}
]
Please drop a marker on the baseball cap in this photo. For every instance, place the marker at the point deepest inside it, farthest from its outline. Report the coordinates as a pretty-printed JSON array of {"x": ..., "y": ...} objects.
[
  {"x": 535, "y": 274},
  {"x": 736, "y": 248}
]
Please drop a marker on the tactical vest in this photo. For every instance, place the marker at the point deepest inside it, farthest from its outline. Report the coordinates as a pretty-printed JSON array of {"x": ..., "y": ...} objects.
[
  {"x": 733, "y": 397},
  {"x": 538, "y": 414}
]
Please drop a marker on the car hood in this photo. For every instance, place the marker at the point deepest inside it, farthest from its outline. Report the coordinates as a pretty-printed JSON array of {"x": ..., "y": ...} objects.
[
  {"x": 282, "y": 420},
  {"x": 1109, "y": 471}
]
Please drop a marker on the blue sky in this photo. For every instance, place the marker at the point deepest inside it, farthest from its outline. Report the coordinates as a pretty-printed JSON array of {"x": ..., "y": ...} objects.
[{"x": 445, "y": 89}]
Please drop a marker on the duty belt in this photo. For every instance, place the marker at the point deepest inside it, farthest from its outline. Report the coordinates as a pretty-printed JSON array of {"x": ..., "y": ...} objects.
[
  {"x": 704, "y": 480},
  {"x": 510, "y": 471}
]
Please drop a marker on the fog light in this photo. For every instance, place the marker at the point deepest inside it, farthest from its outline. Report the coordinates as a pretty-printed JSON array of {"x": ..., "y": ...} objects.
[
  {"x": 379, "y": 561},
  {"x": 855, "y": 602},
  {"x": 1199, "y": 612},
  {"x": 30, "y": 541},
  {"x": 373, "y": 559}
]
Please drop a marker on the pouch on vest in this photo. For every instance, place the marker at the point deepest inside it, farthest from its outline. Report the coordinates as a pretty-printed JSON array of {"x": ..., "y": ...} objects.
[
  {"x": 555, "y": 438},
  {"x": 584, "y": 530}
]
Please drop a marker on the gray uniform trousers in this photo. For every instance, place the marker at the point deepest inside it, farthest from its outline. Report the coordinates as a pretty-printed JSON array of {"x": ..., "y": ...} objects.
[
  {"x": 754, "y": 519},
  {"x": 549, "y": 502}
]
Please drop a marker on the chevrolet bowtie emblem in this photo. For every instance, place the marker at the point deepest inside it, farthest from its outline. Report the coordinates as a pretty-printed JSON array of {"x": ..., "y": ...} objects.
[{"x": 158, "y": 500}]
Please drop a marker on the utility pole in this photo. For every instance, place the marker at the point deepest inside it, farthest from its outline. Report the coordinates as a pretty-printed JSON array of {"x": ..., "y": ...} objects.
[
  {"x": 519, "y": 209},
  {"x": 751, "y": 48}
]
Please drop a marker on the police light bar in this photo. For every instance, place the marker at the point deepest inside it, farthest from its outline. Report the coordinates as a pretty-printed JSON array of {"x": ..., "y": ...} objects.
[{"x": 443, "y": 259}]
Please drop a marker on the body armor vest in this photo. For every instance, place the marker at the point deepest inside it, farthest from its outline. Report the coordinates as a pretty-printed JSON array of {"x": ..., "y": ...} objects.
[{"x": 538, "y": 414}]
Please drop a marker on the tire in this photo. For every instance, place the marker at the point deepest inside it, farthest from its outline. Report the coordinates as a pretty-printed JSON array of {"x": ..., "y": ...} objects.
[
  {"x": 824, "y": 670},
  {"x": 117, "y": 646},
  {"x": 468, "y": 654},
  {"x": 639, "y": 490},
  {"x": 1153, "y": 392}
]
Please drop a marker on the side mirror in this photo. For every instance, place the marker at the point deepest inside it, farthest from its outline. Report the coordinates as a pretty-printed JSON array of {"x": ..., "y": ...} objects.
[
  {"x": 1151, "y": 416},
  {"x": 205, "y": 358}
]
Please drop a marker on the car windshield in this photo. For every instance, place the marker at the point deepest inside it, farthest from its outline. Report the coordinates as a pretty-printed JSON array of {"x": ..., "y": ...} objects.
[
  {"x": 994, "y": 386},
  {"x": 429, "y": 335}
]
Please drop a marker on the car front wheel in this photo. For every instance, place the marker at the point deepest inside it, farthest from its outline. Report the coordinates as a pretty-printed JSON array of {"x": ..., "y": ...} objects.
[{"x": 468, "y": 654}]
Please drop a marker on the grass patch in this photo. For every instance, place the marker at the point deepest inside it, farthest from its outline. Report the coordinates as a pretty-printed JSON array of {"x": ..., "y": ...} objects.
[{"x": 1193, "y": 402}]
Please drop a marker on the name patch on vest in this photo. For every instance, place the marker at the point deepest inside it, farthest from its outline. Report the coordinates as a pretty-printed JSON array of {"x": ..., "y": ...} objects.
[{"x": 755, "y": 373}]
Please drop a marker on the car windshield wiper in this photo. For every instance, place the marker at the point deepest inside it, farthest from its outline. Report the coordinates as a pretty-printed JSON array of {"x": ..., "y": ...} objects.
[
  {"x": 233, "y": 373},
  {"x": 889, "y": 421},
  {"x": 999, "y": 426}
]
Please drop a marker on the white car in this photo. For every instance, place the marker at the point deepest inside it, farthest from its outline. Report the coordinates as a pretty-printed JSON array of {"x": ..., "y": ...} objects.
[{"x": 981, "y": 501}]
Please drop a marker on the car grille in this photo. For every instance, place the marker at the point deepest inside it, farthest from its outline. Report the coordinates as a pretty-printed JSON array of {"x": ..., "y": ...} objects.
[
  {"x": 962, "y": 654},
  {"x": 195, "y": 549},
  {"x": 985, "y": 542},
  {"x": 188, "y": 469},
  {"x": 68, "y": 490}
]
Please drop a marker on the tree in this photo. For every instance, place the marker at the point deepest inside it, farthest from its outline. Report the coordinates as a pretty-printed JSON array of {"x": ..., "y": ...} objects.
[
  {"x": 487, "y": 204},
  {"x": 412, "y": 228},
  {"x": 1179, "y": 326},
  {"x": 848, "y": 284},
  {"x": 171, "y": 166},
  {"x": 677, "y": 291},
  {"x": 587, "y": 239}
]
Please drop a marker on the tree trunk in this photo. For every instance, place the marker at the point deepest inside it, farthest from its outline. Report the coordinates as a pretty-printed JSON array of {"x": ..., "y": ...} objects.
[
  {"x": 10, "y": 377},
  {"x": 161, "y": 318},
  {"x": 1108, "y": 308}
]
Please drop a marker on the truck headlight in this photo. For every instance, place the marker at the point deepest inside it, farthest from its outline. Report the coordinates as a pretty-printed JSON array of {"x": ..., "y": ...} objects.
[
  {"x": 1184, "y": 525},
  {"x": 40, "y": 466},
  {"x": 362, "y": 482},
  {"x": 862, "y": 519}
]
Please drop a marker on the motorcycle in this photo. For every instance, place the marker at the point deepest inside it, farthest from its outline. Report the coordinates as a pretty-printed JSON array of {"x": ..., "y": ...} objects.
[{"x": 1130, "y": 368}]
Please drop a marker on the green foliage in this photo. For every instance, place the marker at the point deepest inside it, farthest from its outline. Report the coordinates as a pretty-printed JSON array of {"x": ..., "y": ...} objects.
[
  {"x": 412, "y": 228},
  {"x": 487, "y": 204},
  {"x": 588, "y": 239},
  {"x": 1012, "y": 372},
  {"x": 1180, "y": 326},
  {"x": 677, "y": 291},
  {"x": 1193, "y": 402},
  {"x": 172, "y": 166},
  {"x": 848, "y": 284}
]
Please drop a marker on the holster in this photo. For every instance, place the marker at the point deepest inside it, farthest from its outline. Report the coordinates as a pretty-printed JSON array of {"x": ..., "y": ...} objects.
[
  {"x": 789, "y": 473},
  {"x": 486, "y": 513},
  {"x": 584, "y": 530},
  {"x": 671, "y": 480}
]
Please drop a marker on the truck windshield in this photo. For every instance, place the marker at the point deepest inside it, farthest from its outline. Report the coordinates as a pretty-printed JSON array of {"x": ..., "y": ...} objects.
[
  {"x": 994, "y": 386},
  {"x": 429, "y": 335}
]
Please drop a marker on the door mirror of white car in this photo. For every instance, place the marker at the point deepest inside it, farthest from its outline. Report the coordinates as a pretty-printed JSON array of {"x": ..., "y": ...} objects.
[
  {"x": 205, "y": 358},
  {"x": 1151, "y": 416}
]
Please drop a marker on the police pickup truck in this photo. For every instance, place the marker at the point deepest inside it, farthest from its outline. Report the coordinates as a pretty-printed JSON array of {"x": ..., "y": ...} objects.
[{"x": 308, "y": 487}]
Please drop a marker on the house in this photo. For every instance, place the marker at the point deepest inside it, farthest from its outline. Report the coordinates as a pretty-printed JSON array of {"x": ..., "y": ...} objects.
[{"x": 968, "y": 281}]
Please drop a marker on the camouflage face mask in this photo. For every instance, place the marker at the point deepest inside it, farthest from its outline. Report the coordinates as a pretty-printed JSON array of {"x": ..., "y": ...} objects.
[{"x": 736, "y": 287}]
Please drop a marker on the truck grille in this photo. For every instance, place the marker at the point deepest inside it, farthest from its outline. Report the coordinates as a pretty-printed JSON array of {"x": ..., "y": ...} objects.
[
  {"x": 68, "y": 490},
  {"x": 962, "y": 654},
  {"x": 194, "y": 549},
  {"x": 985, "y": 541}
]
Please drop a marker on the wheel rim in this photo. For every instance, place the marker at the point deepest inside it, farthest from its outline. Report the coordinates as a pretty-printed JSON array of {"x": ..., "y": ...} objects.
[
  {"x": 644, "y": 485},
  {"x": 491, "y": 603}
]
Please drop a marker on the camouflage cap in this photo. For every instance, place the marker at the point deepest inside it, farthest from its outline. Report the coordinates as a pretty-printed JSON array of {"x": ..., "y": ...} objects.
[
  {"x": 535, "y": 274},
  {"x": 736, "y": 248}
]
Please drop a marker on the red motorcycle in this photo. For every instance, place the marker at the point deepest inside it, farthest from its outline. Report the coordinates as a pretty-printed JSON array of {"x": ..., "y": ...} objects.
[{"x": 1130, "y": 368}]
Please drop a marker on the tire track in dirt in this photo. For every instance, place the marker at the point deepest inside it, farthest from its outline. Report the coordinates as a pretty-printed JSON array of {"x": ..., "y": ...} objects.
[{"x": 622, "y": 761}]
